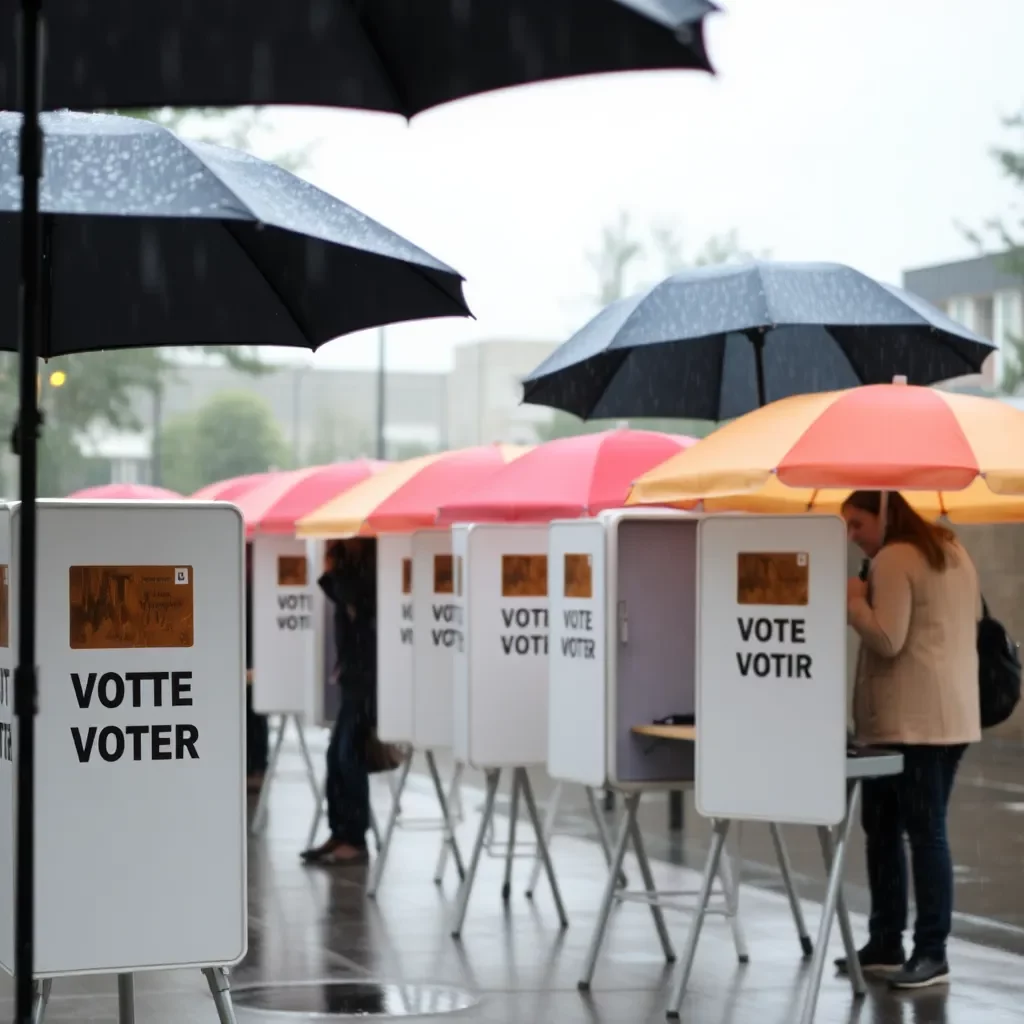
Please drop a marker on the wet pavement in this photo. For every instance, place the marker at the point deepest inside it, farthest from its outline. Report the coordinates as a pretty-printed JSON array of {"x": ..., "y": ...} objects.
[{"x": 394, "y": 957}]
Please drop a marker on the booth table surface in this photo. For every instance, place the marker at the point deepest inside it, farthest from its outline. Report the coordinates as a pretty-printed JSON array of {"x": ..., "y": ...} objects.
[{"x": 686, "y": 733}]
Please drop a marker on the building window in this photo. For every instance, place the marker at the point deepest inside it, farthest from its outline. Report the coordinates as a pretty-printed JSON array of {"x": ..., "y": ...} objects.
[{"x": 984, "y": 316}]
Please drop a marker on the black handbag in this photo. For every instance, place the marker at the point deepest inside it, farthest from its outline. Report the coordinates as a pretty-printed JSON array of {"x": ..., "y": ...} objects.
[
  {"x": 381, "y": 756},
  {"x": 999, "y": 670}
]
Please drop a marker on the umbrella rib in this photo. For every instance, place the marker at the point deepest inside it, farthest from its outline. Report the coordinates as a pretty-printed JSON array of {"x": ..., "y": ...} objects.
[
  {"x": 285, "y": 304},
  {"x": 401, "y": 101}
]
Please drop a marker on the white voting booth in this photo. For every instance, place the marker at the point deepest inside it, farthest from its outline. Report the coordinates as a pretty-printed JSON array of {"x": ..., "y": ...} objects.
[
  {"x": 501, "y": 675},
  {"x": 140, "y": 740},
  {"x": 418, "y": 631},
  {"x": 624, "y": 612},
  {"x": 283, "y": 621}
]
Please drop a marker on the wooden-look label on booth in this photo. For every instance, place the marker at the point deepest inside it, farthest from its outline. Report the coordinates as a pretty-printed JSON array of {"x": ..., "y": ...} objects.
[
  {"x": 771, "y": 671},
  {"x": 578, "y": 623},
  {"x": 446, "y": 624}
]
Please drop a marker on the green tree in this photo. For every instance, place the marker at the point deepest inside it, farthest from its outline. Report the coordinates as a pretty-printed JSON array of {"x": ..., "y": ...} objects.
[
  {"x": 232, "y": 434},
  {"x": 1008, "y": 233},
  {"x": 335, "y": 437}
]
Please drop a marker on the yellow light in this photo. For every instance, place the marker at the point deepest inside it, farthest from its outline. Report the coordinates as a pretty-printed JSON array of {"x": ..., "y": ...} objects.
[{"x": 57, "y": 378}]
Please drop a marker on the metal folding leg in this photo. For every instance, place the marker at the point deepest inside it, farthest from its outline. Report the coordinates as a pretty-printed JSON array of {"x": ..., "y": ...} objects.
[
  {"x": 448, "y": 840},
  {"x": 550, "y": 817},
  {"x": 718, "y": 836},
  {"x": 549, "y": 869},
  {"x": 632, "y": 801},
  {"x": 833, "y": 894},
  {"x": 373, "y": 882},
  {"x": 462, "y": 901},
  {"x": 126, "y": 999},
  {"x": 220, "y": 989},
  {"x": 262, "y": 805},
  {"x": 513, "y": 821},
  {"x": 41, "y": 1000},
  {"x": 782, "y": 856},
  {"x": 731, "y": 889},
  {"x": 854, "y": 971},
  {"x": 648, "y": 876}
]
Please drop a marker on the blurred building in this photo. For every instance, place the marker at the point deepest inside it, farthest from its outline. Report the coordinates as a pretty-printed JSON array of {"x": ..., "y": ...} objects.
[
  {"x": 485, "y": 393},
  {"x": 981, "y": 294}
]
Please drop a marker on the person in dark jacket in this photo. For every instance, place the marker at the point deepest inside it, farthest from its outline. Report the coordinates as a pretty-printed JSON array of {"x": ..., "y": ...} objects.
[
  {"x": 257, "y": 739},
  {"x": 350, "y": 584}
]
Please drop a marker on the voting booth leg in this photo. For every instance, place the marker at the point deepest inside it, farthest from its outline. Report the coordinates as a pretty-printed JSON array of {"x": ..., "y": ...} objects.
[
  {"x": 648, "y": 876},
  {"x": 451, "y": 816},
  {"x": 318, "y": 812},
  {"x": 602, "y": 833},
  {"x": 513, "y": 820},
  {"x": 493, "y": 778},
  {"x": 126, "y": 999},
  {"x": 718, "y": 836},
  {"x": 731, "y": 889},
  {"x": 381, "y": 859},
  {"x": 41, "y": 999},
  {"x": 307, "y": 760},
  {"x": 782, "y": 856},
  {"x": 550, "y": 816},
  {"x": 608, "y": 900},
  {"x": 828, "y": 911},
  {"x": 262, "y": 805},
  {"x": 526, "y": 788},
  {"x": 855, "y": 973},
  {"x": 448, "y": 840},
  {"x": 220, "y": 989}
]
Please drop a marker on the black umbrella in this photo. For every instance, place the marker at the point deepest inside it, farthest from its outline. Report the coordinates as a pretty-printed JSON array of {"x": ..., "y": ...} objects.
[
  {"x": 716, "y": 342},
  {"x": 400, "y": 56},
  {"x": 395, "y": 55},
  {"x": 150, "y": 240}
]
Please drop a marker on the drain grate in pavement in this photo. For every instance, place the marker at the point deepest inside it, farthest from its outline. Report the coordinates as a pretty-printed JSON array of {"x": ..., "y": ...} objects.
[{"x": 341, "y": 1000}]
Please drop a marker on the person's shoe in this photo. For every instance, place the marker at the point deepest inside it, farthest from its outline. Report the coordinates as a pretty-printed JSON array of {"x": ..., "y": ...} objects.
[
  {"x": 875, "y": 960},
  {"x": 920, "y": 972}
]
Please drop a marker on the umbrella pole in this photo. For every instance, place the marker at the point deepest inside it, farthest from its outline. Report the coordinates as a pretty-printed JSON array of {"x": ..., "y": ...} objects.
[
  {"x": 757, "y": 340},
  {"x": 26, "y": 439}
]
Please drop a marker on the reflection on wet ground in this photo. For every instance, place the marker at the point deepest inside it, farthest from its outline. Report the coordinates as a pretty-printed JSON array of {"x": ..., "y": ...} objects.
[{"x": 514, "y": 965}]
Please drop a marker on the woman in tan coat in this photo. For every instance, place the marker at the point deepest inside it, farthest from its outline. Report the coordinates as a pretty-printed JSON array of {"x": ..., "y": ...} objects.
[{"x": 916, "y": 690}]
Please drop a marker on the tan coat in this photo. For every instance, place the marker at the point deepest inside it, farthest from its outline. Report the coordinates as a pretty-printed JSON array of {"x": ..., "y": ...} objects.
[{"x": 917, "y": 669}]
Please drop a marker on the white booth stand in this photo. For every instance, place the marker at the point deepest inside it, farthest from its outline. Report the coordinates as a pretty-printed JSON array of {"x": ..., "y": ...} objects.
[
  {"x": 417, "y": 633},
  {"x": 282, "y": 620},
  {"x": 501, "y": 677},
  {"x": 623, "y": 621},
  {"x": 140, "y": 742},
  {"x": 771, "y": 702}
]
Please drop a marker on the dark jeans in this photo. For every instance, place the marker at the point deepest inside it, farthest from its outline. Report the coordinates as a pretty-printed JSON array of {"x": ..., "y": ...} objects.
[
  {"x": 257, "y": 738},
  {"x": 348, "y": 785},
  {"x": 914, "y": 804}
]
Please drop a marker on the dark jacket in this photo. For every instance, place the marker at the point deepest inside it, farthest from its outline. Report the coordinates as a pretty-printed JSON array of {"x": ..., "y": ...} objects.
[{"x": 351, "y": 587}]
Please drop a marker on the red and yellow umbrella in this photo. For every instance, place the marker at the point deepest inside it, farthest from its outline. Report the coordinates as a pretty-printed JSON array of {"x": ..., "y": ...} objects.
[
  {"x": 406, "y": 495},
  {"x": 955, "y": 455}
]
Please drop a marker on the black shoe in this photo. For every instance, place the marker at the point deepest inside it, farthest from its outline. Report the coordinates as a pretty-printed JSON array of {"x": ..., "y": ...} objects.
[
  {"x": 920, "y": 972},
  {"x": 875, "y": 959}
]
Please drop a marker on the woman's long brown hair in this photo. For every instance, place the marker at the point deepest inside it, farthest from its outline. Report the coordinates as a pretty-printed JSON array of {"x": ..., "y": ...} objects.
[{"x": 905, "y": 526}]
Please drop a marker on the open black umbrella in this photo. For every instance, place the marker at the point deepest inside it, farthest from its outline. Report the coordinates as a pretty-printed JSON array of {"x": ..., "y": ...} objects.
[
  {"x": 392, "y": 55},
  {"x": 150, "y": 241},
  {"x": 399, "y": 56},
  {"x": 716, "y": 342}
]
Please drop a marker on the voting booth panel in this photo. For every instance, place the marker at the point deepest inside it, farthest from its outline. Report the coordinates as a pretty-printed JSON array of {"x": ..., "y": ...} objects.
[
  {"x": 577, "y": 659},
  {"x": 283, "y": 582},
  {"x": 140, "y": 736},
  {"x": 460, "y": 659},
  {"x": 436, "y": 640},
  {"x": 6, "y": 751},
  {"x": 771, "y": 669},
  {"x": 395, "y": 632},
  {"x": 505, "y": 578}
]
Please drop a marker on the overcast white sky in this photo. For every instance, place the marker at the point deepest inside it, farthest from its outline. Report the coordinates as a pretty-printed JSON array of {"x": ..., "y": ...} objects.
[{"x": 849, "y": 130}]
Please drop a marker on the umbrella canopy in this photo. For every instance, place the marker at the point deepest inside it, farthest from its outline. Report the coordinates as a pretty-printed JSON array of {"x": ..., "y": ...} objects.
[
  {"x": 154, "y": 241},
  {"x": 385, "y": 55},
  {"x": 715, "y": 342},
  {"x": 565, "y": 479},
  {"x": 129, "y": 492},
  {"x": 232, "y": 488},
  {"x": 275, "y": 505},
  {"x": 955, "y": 455},
  {"x": 407, "y": 495}
]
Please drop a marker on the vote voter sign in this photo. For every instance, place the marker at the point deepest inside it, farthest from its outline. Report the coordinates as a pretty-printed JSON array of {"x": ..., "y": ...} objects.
[
  {"x": 140, "y": 804},
  {"x": 771, "y": 669},
  {"x": 282, "y": 582}
]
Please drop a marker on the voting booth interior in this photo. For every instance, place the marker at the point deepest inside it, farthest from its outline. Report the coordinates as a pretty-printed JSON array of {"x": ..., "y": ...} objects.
[
  {"x": 140, "y": 789},
  {"x": 435, "y": 608},
  {"x": 282, "y": 601},
  {"x": 322, "y": 696},
  {"x": 623, "y": 606},
  {"x": 395, "y": 635}
]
